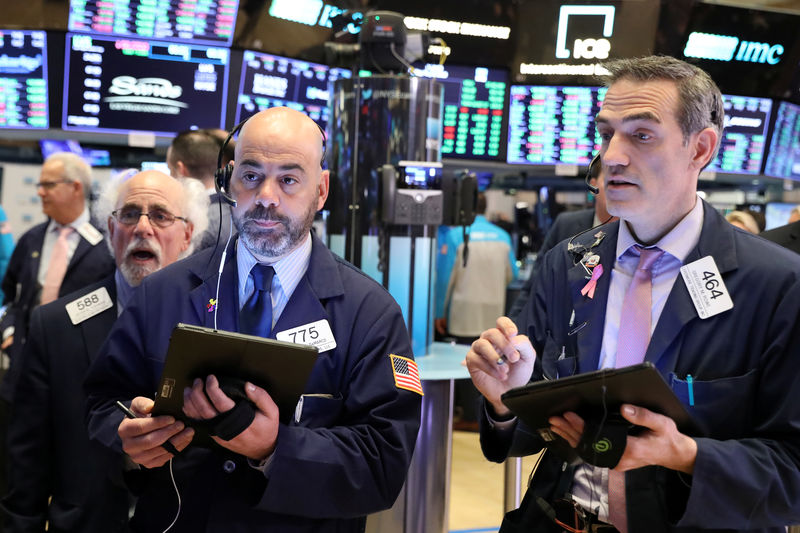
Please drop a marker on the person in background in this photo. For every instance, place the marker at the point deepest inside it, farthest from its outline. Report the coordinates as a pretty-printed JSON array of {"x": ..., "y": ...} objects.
[
  {"x": 58, "y": 479},
  {"x": 193, "y": 154},
  {"x": 660, "y": 125},
  {"x": 6, "y": 244},
  {"x": 566, "y": 225},
  {"x": 743, "y": 220},
  {"x": 794, "y": 216},
  {"x": 50, "y": 260},
  {"x": 475, "y": 294},
  {"x": 344, "y": 451}
]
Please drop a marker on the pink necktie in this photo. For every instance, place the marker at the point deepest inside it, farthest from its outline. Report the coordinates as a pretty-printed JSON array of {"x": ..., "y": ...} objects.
[
  {"x": 634, "y": 336},
  {"x": 57, "y": 267}
]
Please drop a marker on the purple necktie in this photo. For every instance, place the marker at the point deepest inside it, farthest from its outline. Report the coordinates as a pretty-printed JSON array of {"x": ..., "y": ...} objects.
[{"x": 634, "y": 336}]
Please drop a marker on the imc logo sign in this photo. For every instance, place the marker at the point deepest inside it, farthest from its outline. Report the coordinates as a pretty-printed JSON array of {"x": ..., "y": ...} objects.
[
  {"x": 726, "y": 48},
  {"x": 587, "y": 48}
]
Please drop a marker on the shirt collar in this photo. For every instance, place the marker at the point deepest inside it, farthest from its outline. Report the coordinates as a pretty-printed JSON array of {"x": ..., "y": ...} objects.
[
  {"x": 681, "y": 240},
  {"x": 288, "y": 269}
]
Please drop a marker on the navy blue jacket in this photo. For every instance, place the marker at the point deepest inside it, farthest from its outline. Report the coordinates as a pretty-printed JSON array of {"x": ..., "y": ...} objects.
[
  {"x": 746, "y": 374},
  {"x": 89, "y": 263},
  {"x": 50, "y": 454},
  {"x": 346, "y": 457}
]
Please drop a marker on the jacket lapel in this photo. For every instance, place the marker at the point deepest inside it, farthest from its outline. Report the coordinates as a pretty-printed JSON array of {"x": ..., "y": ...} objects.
[
  {"x": 96, "y": 329},
  {"x": 227, "y": 301},
  {"x": 592, "y": 311},
  {"x": 716, "y": 240}
]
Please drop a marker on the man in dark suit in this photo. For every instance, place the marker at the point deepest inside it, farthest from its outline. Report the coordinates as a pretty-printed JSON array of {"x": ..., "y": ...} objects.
[
  {"x": 344, "y": 451},
  {"x": 566, "y": 225},
  {"x": 63, "y": 187},
  {"x": 787, "y": 236},
  {"x": 57, "y": 476},
  {"x": 677, "y": 288},
  {"x": 193, "y": 154}
]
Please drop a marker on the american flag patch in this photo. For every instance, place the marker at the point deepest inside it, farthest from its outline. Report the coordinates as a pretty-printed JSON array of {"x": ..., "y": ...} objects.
[{"x": 406, "y": 374}]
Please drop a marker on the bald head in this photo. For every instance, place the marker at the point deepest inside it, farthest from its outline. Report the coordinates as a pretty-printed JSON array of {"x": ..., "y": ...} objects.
[{"x": 288, "y": 126}]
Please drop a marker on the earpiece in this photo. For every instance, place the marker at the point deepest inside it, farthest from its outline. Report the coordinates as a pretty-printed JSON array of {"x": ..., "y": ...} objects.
[
  {"x": 587, "y": 179},
  {"x": 222, "y": 176}
]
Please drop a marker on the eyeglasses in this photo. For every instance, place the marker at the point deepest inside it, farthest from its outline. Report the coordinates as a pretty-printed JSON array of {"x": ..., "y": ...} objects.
[
  {"x": 129, "y": 216},
  {"x": 48, "y": 185}
]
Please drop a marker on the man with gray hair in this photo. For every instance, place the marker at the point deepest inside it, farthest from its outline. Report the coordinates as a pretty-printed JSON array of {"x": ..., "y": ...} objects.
[
  {"x": 53, "y": 258},
  {"x": 56, "y": 475},
  {"x": 673, "y": 284}
]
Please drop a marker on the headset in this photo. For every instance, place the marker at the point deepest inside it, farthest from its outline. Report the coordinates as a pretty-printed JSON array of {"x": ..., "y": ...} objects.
[
  {"x": 222, "y": 176},
  {"x": 595, "y": 161}
]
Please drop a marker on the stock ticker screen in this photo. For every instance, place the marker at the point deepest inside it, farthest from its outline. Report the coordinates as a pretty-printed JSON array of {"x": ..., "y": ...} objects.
[
  {"x": 474, "y": 100},
  {"x": 783, "y": 156},
  {"x": 196, "y": 21},
  {"x": 548, "y": 125},
  {"x": 23, "y": 79},
  {"x": 745, "y": 135},
  {"x": 271, "y": 81},
  {"x": 119, "y": 85}
]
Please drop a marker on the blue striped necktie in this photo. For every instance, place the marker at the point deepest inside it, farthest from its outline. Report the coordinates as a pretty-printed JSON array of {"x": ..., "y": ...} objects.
[{"x": 255, "y": 318}]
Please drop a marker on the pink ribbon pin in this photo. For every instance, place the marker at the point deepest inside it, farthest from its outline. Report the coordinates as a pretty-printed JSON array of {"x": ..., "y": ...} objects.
[{"x": 589, "y": 288}]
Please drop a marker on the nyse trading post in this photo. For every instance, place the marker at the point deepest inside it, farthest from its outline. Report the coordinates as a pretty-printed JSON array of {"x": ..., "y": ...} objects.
[
  {"x": 198, "y": 21},
  {"x": 271, "y": 81},
  {"x": 744, "y": 136},
  {"x": 549, "y": 125},
  {"x": 23, "y": 79},
  {"x": 783, "y": 156},
  {"x": 474, "y": 100},
  {"x": 118, "y": 85}
]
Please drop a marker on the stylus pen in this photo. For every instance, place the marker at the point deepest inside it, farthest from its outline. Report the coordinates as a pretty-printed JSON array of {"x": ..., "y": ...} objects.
[{"x": 130, "y": 414}]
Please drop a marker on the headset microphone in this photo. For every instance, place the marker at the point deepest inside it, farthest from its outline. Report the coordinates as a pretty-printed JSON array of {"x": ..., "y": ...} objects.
[{"x": 595, "y": 161}]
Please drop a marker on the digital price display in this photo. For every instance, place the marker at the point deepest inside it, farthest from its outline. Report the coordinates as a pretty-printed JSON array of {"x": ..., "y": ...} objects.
[
  {"x": 474, "y": 102},
  {"x": 118, "y": 85},
  {"x": 195, "y": 21},
  {"x": 549, "y": 125},
  {"x": 745, "y": 135},
  {"x": 783, "y": 156},
  {"x": 272, "y": 81},
  {"x": 23, "y": 79}
]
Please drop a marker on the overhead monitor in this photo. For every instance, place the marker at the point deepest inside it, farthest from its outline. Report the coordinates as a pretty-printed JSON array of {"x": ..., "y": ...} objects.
[
  {"x": 474, "y": 106},
  {"x": 745, "y": 135},
  {"x": 271, "y": 81},
  {"x": 197, "y": 22},
  {"x": 548, "y": 125},
  {"x": 783, "y": 156},
  {"x": 118, "y": 85},
  {"x": 23, "y": 79}
]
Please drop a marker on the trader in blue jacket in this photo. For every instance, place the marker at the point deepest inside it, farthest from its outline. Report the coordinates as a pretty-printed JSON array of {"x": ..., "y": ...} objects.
[
  {"x": 346, "y": 449},
  {"x": 723, "y": 331}
]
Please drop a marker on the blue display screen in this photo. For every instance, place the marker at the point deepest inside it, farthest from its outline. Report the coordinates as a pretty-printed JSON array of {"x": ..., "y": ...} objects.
[
  {"x": 783, "y": 156},
  {"x": 23, "y": 79}
]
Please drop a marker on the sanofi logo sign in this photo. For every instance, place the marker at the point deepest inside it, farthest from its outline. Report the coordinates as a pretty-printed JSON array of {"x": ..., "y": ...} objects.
[{"x": 727, "y": 48}]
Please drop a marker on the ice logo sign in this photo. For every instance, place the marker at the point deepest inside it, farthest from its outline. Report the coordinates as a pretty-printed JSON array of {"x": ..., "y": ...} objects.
[{"x": 589, "y": 48}]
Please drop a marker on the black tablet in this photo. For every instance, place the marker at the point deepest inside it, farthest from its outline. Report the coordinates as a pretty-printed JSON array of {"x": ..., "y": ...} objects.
[
  {"x": 280, "y": 368},
  {"x": 597, "y": 396}
]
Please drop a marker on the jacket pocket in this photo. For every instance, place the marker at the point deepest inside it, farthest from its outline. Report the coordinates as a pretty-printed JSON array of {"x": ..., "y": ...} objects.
[
  {"x": 722, "y": 407},
  {"x": 318, "y": 410}
]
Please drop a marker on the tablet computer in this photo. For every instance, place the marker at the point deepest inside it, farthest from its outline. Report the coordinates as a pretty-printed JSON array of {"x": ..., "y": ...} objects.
[
  {"x": 280, "y": 368},
  {"x": 596, "y": 395}
]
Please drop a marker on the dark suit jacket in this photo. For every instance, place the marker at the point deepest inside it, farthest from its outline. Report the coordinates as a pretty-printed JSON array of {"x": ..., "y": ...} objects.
[
  {"x": 49, "y": 449},
  {"x": 787, "y": 236},
  {"x": 745, "y": 368},
  {"x": 565, "y": 226},
  {"x": 344, "y": 453},
  {"x": 89, "y": 263}
]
